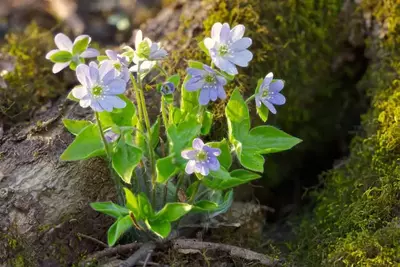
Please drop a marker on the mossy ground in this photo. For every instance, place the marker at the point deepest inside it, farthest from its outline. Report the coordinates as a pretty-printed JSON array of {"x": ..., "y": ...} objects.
[
  {"x": 30, "y": 83},
  {"x": 356, "y": 220}
]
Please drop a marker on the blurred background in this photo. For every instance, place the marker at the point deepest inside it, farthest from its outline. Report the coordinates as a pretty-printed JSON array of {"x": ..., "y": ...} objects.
[{"x": 107, "y": 21}]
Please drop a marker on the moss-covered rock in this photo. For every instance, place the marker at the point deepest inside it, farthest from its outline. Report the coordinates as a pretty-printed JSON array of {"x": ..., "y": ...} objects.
[
  {"x": 29, "y": 82},
  {"x": 356, "y": 220}
]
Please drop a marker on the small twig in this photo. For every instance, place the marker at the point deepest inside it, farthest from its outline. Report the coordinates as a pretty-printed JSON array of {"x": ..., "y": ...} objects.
[
  {"x": 139, "y": 254},
  {"x": 233, "y": 250},
  {"x": 108, "y": 252},
  {"x": 101, "y": 243},
  {"x": 150, "y": 263},
  {"x": 147, "y": 258}
]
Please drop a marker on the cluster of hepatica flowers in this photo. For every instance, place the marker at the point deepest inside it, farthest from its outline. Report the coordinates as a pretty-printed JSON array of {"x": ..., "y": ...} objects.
[{"x": 102, "y": 83}]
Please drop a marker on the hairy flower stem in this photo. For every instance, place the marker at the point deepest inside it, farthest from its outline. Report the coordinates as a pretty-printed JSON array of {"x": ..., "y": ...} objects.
[
  {"x": 250, "y": 98},
  {"x": 164, "y": 113},
  {"x": 115, "y": 178},
  {"x": 140, "y": 113},
  {"x": 196, "y": 190},
  {"x": 148, "y": 129}
]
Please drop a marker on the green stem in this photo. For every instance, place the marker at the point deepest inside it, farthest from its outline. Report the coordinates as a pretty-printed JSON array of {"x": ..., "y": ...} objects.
[
  {"x": 162, "y": 71},
  {"x": 107, "y": 148},
  {"x": 164, "y": 113},
  {"x": 116, "y": 179},
  {"x": 250, "y": 98},
  {"x": 148, "y": 130},
  {"x": 193, "y": 197},
  {"x": 170, "y": 114}
]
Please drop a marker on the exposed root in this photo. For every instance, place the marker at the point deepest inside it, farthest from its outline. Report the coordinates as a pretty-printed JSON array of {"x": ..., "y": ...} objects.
[
  {"x": 192, "y": 244},
  {"x": 145, "y": 250}
]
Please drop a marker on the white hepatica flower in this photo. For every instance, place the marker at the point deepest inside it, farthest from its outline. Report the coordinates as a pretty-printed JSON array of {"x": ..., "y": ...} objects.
[
  {"x": 99, "y": 87},
  {"x": 70, "y": 54},
  {"x": 146, "y": 54},
  {"x": 228, "y": 47}
]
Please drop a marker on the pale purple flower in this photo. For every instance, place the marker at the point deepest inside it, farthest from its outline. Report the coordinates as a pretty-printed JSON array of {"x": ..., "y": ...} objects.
[
  {"x": 208, "y": 81},
  {"x": 167, "y": 88},
  {"x": 202, "y": 158},
  {"x": 63, "y": 43},
  {"x": 228, "y": 47},
  {"x": 100, "y": 87},
  {"x": 146, "y": 53},
  {"x": 121, "y": 64},
  {"x": 111, "y": 136},
  {"x": 269, "y": 93}
]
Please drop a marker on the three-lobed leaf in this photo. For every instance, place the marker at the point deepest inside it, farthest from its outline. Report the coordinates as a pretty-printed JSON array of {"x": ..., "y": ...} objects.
[
  {"x": 87, "y": 144},
  {"x": 166, "y": 168},
  {"x": 75, "y": 126},
  {"x": 125, "y": 159},
  {"x": 250, "y": 145},
  {"x": 119, "y": 227},
  {"x": 110, "y": 209},
  {"x": 173, "y": 211}
]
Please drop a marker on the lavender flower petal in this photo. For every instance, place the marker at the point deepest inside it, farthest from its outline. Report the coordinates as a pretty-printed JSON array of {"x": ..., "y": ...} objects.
[{"x": 63, "y": 42}]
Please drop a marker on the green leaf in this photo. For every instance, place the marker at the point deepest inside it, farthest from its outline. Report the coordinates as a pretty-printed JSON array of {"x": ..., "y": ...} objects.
[
  {"x": 75, "y": 126},
  {"x": 263, "y": 110},
  {"x": 222, "y": 180},
  {"x": 176, "y": 115},
  {"x": 110, "y": 208},
  {"x": 61, "y": 57},
  {"x": 175, "y": 79},
  {"x": 173, "y": 211},
  {"x": 204, "y": 206},
  {"x": 192, "y": 189},
  {"x": 102, "y": 58},
  {"x": 155, "y": 133},
  {"x": 125, "y": 159},
  {"x": 132, "y": 203},
  {"x": 80, "y": 46},
  {"x": 87, "y": 144},
  {"x": 207, "y": 123},
  {"x": 119, "y": 117},
  {"x": 116, "y": 230},
  {"x": 195, "y": 64},
  {"x": 250, "y": 145},
  {"x": 166, "y": 168},
  {"x": 181, "y": 136},
  {"x": 225, "y": 159},
  {"x": 161, "y": 228},
  {"x": 145, "y": 206},
  {"x": 224, "y": 202},
  {"x": 204, "y": 48}
]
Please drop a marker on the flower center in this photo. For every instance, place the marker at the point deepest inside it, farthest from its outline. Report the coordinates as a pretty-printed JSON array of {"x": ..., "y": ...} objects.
[
  {"x": 118, "y": 66},
  {"x": 209, "y": 78},
  {"x": 265, "y": 92},
  {"x": 202, "y": 156},
  {"x": 223, "y": 50},
  {"x": 97, "y": 90}
]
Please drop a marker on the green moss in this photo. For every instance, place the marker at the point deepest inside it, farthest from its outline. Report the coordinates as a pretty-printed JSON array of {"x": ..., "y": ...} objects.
[
  {"x": 31, "y": 83},
  {"x": 355, "y": 222}
]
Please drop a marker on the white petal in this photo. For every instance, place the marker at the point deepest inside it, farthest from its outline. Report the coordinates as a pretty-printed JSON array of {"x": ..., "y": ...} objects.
[
  {"x": 82, "y": 74},
  {"x": 209, "y": 43},
  {"x": 90, "y": 52},
  {"x": 237, "y": 32},
  {"x": 79, "y": 92},
  {"x": 60, "y": 66},
  {"x": 105, "y": 67},
  {"x": 115, "y": 87},
  {"x": 267, "y": 80},
  {"x": 115, "y": 101},
  {"x": 138, "y": 39},
  {"x": 225, "y": 33},
  {"x": 241, "y": 58},
  {"x": 216, "y": 31},
  {"x": 85, "y": 102},
  {"x": 226, "y": 66},
  {"x": 190, "y": 167},
  {"x": 52, "y": 52},
  {"x": 241, "y": 44},
  {"x": 63, "y": 42},
  {"x": 197, "y": 144}
]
